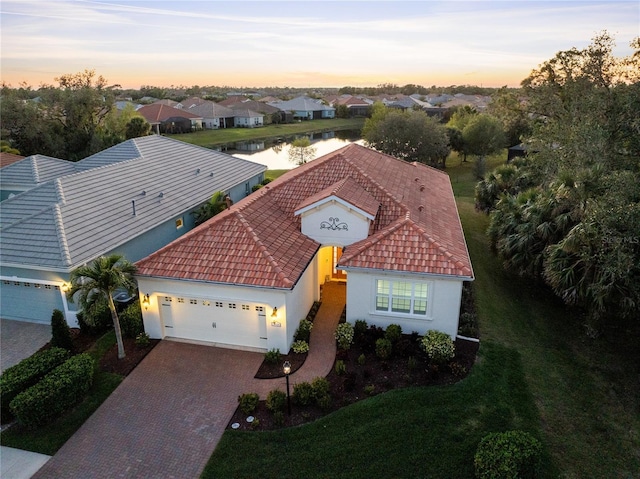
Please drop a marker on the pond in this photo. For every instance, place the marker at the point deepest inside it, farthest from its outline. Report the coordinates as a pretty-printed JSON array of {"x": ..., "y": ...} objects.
[{"x": 274, "y": 152}]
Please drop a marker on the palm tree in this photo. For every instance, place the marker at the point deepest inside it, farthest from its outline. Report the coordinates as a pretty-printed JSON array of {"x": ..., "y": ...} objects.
[
  {"x": 216, "y": 204},
  {"x": 100, "y": 280}
]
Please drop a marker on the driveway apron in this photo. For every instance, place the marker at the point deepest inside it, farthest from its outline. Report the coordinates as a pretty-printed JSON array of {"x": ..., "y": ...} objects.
[{"x": 164, "y": 420}]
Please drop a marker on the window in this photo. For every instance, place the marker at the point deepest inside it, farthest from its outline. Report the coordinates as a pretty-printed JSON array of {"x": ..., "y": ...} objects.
[
  {"x": 247, "y": 188},
  {"x": 47, "y": 286},
  {"x": 232, "y": 305},
  {"x": 206, "y": 303},
  {"x": 193, "y": 301},
  {"x": 180, "y": 300},
  {"x": 402, "y": 297},
  {"x": 245, "y": 307},
  {"x": 218, "y": 304},
  {"x": 179, "y": 223},
  {"x": 260, "y": 309},
  {"x": 168, "y": 299}
]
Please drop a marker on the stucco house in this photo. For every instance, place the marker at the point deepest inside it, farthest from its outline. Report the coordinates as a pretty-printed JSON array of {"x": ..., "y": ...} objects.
[
  {"x": 214, "y": 115},
  {"x": 305, "y": 108},
  {"x": 167, "y": 119},
  {"x": 245, "y": 278},
  {"x": 130, "y": 199}
]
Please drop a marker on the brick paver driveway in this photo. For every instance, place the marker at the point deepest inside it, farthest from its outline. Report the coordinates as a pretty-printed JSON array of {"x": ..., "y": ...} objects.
[{"x": 164, "y": 420}]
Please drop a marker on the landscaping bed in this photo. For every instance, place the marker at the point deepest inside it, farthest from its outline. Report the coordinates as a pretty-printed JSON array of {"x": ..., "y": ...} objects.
[{"x": 363, "y": 379}]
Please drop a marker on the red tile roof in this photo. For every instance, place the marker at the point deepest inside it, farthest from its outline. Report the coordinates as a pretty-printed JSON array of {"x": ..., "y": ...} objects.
[
  {"x": 7, "y": 159},
  {"x": 258, "y": 242},
  {"x": 157, "y": 112},
  {"x": 348, "y": 190}
]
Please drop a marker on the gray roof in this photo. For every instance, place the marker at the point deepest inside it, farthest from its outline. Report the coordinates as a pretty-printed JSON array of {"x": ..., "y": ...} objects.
[
  {"x": 246, "y": 113},
  {"x": 255, "y": 106},
  {"x": 68, "y": 221},
  {"x": 35, "y": 169},
  {"x": 210, "y": 109},
  {"x": 301, "y": 103}
]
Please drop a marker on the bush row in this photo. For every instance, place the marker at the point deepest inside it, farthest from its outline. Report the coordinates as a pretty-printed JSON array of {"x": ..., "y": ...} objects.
[
  {"x": 54, "y": 393},
  {"x": 27, "y": 373}
]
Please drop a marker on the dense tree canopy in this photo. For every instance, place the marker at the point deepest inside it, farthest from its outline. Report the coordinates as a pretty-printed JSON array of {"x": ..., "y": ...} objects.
[
  {"x": 411, "y": 135},
  {"x": 570, "y": 213}
]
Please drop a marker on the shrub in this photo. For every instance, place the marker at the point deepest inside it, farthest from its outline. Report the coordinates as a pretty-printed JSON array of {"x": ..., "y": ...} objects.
[
  {"x": 508, "y": 455},
  {"x": 55, "y": 393},
  {"x": 320, "y": 387},
  {"x": 95, "y": 319},
  {"x": 468, "y": 325},
  {"x": 393, "y": 333},
  {"x": 278, "y": 418},
  {"x": 360, "y": 328},
  {"x": 303, "y": 333},
  {"x": 324, "y": 402},
  {"x": 344, "y": 335},
  {"x": 383, "y": 348},
  {"x": 28, "y": 372},
  {"x": 248, "y": 402},
  {"x": 300, "y": 347},
  {"x": 340, "y": 367},
  {"x": 272, "y": 356},
  {"x": 131, "y": 320},
  {"x": 438, "y": 346},
  {"x": 60, "y": 332},
  {"x": 411, "y": 363},
  {"x": 362, "y": 359},
  {"x": 142, "y": 340},
  {"x": 302, "y": 393},
  {"x": 370, "y": 389},
  {"x": 276, "y": 400}
]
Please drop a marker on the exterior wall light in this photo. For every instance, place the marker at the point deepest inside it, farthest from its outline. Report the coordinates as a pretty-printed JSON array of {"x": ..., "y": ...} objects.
[
  {"x": 145, "y": 301},
  {"x": 275, "y": 312}
]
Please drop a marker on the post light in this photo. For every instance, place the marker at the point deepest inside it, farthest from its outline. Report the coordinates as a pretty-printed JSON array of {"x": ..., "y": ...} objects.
[
  {"x": 145, "y": 301},
  {"x": 286, "y": 367},
  {"x": 274, "y": 314}
]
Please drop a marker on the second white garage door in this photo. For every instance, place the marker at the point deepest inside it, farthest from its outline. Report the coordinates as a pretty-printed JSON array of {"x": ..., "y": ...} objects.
[{"x": 218, "y": 321}]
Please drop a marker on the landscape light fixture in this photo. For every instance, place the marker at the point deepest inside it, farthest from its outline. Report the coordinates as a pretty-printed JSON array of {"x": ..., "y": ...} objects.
[{"x": 286, "y": 367}]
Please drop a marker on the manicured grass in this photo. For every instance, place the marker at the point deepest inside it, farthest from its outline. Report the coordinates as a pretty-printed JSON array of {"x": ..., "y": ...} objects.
[
  {"x": 536, "y": 371},
  {"x": 408, "y": 433},
  {"x": 210, "y": 138},
  {"x": 48, "y": 439}
]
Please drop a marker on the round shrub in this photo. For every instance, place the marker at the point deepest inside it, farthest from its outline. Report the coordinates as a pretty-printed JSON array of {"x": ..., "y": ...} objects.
[
  {"x": 131, "y": 320},
  {"x": 300, "y": 347},
  {"x": 438, "y": 346},
  {"x": 360, "y": 328},
  {"x": 142, "y": 340},
  {"x": 60, "y": 332},
  {"x": 508, "y": 455},
  {"x": 302, "y": 393},
  {"x": 344, "y": 335},
  {"x": 340, "y": 367},
  {"x": 248, "y": 402},
  {"x": 303, "y": 333},
  {"x": 276, "y": 400},
  {"x": 393, "y": 332},
  {"x": 383, "y": 348}
]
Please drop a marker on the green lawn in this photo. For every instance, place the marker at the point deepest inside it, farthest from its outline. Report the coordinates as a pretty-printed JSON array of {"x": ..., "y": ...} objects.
[
  {"x": 536, "y": 371},
  {"x": 210, "y": 138}
]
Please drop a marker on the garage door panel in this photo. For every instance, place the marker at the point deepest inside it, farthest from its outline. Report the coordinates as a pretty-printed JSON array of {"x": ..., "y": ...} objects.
[
  {"x": 29, "y": 301},
  {"x": 237, "y": 323}
]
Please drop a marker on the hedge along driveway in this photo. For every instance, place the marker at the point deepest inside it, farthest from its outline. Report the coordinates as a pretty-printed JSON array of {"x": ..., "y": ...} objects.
[{"x": 164, "y": 420}]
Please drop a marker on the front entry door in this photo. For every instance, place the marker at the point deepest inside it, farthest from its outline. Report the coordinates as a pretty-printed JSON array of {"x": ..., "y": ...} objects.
[{"x": 337, "y": 274}]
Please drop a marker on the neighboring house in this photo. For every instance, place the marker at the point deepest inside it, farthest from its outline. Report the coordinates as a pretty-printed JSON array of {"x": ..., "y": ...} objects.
[
  {"x": 244, "y": 118},
  {"x": 305, "y": 108},
  {"x": 245, "y": 278},
  {"x": 409, "y": 103},
  {"x": 266, "y": 110},
  {"x": 131, "y": 199},
  {"x": 356, "y": 106},
  {"x": 172, "y": 103},
  {"x": 8, "y": 158},
  {"x": 214, "y": 115},
  {"x": 30, "y": 172},
  {"x": 166, "y": 119}
]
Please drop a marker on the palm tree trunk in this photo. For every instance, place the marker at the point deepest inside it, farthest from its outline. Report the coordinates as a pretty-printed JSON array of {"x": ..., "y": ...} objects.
[{"x": 116, "y": 327}]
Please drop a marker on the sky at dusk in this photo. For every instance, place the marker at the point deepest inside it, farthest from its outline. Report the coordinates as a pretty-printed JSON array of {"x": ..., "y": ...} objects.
[{"x": 302, "y": 43}]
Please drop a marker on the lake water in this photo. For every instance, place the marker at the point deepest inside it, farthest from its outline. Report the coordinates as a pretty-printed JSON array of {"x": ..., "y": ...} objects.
[{"x": 275, "y": 153}]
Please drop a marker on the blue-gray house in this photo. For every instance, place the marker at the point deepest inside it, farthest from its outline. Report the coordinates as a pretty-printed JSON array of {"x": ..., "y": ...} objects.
[{"x": 130, "y": 199}]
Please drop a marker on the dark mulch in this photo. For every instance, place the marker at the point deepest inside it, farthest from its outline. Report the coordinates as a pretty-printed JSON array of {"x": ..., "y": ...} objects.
[
  {"x": 373, "y": 376},
  {"x": 270, "y": 370},
  {"x": 133, "y": 355}
]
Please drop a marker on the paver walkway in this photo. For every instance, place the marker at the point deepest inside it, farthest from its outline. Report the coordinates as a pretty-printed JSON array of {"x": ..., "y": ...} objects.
[{"x": 167, "y": 416}]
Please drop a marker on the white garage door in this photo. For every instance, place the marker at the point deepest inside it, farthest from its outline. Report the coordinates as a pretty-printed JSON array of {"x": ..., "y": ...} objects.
[{"x": 219, "y": 321}]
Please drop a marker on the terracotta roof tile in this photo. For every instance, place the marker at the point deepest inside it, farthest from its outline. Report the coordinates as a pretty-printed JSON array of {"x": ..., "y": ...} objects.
[{"x": 258, "y": 241}]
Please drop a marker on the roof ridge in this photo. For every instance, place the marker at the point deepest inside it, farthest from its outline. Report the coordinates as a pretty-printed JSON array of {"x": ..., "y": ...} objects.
[
  {"x": 263, "y": 248},
  {"x": 34, "y": 168},
  {"x": 60, "y": 191},
  {"x": 62, "y": 237}
]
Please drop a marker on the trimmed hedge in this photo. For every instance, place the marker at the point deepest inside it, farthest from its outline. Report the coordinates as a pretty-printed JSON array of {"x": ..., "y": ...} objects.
[
  {"x": 28, "y": 372},
  {"x": 54, "y": 394},
  {"x": 508, "y": 455}
]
